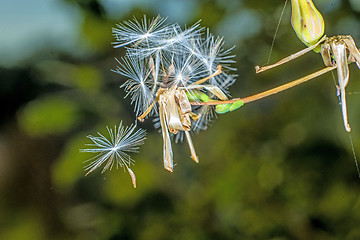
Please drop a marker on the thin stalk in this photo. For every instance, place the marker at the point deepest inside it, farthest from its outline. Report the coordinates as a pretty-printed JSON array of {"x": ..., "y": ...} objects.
[
  {"x": 191, "y": 146},
  {"x": 271, "y": 91},
  {"x": 290, "y": 58},
  {"x": 217, "y": 72}
]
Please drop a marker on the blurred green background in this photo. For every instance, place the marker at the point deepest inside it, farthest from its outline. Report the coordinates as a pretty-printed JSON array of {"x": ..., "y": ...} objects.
[{"x": 280, "y": 168}]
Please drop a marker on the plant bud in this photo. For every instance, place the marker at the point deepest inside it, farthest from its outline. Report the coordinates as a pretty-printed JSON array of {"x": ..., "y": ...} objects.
[{"x": 307, "y": 21}]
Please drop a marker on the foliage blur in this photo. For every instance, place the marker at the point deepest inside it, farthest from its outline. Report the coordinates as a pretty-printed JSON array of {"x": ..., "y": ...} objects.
[{"x": 281, "y": 168}]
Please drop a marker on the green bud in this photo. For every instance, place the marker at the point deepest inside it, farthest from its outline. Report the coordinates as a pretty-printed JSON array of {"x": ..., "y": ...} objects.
[
  {"x": 228, "y": 107},
  {"x": 236, "y": 105},
  {"x": 204, "y": 97},
  {"x": 223, "y": 108},
  {"x": 194, "y": 96},
  {"x": 307, "y": 22}
]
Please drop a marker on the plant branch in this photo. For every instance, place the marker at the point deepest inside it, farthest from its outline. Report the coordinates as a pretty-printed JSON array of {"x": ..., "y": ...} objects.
[{"x": 271, "y": 91}]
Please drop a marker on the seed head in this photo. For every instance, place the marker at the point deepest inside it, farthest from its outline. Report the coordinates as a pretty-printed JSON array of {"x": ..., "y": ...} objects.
[{"x": 115, "y": 148}]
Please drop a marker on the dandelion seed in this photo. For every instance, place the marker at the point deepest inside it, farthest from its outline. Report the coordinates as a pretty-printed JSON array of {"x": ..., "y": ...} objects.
[
  {"x": 186, "y": 70},
  {"x": 178, "y": 37},
  {"x": 114, "y": 149},
  {"x": 140, "y": 33},
  {"x": 139, "y": 83},
  {"x": 211, "y": 54}
]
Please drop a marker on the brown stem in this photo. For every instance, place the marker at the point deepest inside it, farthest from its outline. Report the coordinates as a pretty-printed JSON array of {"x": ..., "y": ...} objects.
[
  {"x": 290, "y": 58},
  {"x": 271, "y": 91},
  {"x": 217, "y": 72}
]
